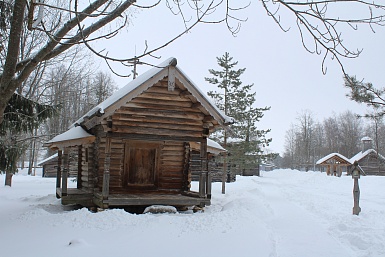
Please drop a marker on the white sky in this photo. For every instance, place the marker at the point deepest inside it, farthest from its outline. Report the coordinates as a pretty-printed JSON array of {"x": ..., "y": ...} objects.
[{"x": 285, "y": 76}]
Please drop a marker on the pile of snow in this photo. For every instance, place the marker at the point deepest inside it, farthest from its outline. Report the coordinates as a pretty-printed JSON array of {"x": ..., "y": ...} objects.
[
  {"x": 282, "y": 213},
  {"x": 160, "y": 209}
]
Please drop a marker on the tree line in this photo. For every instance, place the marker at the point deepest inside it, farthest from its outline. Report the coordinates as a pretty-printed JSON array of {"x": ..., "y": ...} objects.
[
  {"x": 308, "y": 139},
  {"x": 70, "y": 88},
  {"x": 38, "y": 37}
]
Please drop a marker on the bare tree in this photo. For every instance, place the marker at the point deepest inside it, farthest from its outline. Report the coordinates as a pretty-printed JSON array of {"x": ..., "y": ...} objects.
[
  {"x": 331, "y": 130},
  {"x": 305, "y": 128},
  {"x": 322, "y": 23},
  {"x": 103, "y": 86},
  {"x": 351, "y": 129},
  {"x": 79, "y": 22}
]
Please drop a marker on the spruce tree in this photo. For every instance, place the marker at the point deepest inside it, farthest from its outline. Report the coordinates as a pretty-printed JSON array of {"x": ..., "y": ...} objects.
[
  {"x": 243, "y": 141},
  {"x": 22, "y": 115}
]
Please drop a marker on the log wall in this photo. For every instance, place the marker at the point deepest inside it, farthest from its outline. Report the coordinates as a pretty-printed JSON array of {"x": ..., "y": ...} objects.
[
  {"x": 372, "y": 166},
  {"x": 116, "y": 165},
  {"x": 171, "y": 118},
  {"x": 215, "y": 169},
  {"x": 172, "y": 163},
  {"x": 160, "y": 112},
  {"x": 50, "y": 167},
  {"x": 87, "y": 174}
]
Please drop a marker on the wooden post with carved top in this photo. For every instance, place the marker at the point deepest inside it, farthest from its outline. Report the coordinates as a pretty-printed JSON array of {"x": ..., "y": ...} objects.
[{"x": 106, "y": 173}]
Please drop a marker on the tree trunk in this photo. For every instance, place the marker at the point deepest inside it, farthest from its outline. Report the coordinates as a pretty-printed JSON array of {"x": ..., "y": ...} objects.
[
  {"x": 9, "y": 67},
  {"x": 8, "y": 178}
]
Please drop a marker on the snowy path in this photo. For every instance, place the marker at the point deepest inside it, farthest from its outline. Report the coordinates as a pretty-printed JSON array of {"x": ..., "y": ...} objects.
[
  {"x": 297, "y": 232},
  {"x": 281, "y": 214}
]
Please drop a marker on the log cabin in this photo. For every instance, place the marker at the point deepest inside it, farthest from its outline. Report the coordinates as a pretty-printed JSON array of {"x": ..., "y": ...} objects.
[
  {"x": 335, "y": 164},
  {"x": 371, "y": 162},
  {"x": 368, "y": 160},
  {"x": 49, "y": 166},
  {"x": 215, "y": 168},
  {"x": 134, "y": 148}
]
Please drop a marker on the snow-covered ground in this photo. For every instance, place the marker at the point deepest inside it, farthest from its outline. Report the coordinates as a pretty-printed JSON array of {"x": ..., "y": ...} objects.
[{"x": 281, "y": 213}]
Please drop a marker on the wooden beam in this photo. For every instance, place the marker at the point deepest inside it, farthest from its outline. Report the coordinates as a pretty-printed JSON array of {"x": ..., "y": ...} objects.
[
  {"x": 149, "y": 119},
  {"x": 152, "y": 137},
  {"x": 154, "y": 112},
  {"x": 64, "y": 186},
  {"x": 185, "y": 94},
  {"x": 171, "y": 78},
  {"x": 58, "y": 171},
  {"x": 202, "y": 187},
  {"x": 80, "y": 156},
  {"x": 155, "y": 131},
  {"x": 203, "y": 175},
  {"x": 106, "y": 172}
]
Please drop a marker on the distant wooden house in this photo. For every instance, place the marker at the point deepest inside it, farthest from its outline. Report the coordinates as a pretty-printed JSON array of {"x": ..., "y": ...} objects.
[
  {"x": 368, "y": 159},
  {"x": 334, "y": 163},
  {"x": 267, "y": 166},
  {"x": 371, "y": 162},
  {"x": 49, "y": 166},
  {"x": 134, "y": 148},
  {"x": 215, "y": 168}
]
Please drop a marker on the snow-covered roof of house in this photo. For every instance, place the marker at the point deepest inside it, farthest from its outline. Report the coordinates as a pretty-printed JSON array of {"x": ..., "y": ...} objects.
[
  {"x": 71, "y": 134},
  {"x": 329, "y": 156},
  {"x": 72, "y": 137},
  {"x": 366, "y": 139},
  {"x": 136, "y": 87},
  {"x": 47, "y": 159},
  {"x": 215, "y": 145},
  {"x": 361, "y": 155},
  {"x": 212, "y": 147}
]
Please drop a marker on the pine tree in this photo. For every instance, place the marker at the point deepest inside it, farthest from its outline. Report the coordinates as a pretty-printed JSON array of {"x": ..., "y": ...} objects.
[
  {"x": 366, "y": 93},
  {"x": 21, "y": 116},
  {"x": 244, "y": 141}
]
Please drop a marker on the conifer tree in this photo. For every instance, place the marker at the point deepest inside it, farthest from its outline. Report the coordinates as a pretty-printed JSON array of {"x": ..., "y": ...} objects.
[
  {"x": 366, "y": 93},
  {"x": 21, "y": 116},
  {"x": 244, "y": 141}
]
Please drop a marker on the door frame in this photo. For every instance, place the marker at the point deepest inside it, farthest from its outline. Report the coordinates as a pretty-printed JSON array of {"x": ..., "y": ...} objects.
[{"x": 132, "y": 144}]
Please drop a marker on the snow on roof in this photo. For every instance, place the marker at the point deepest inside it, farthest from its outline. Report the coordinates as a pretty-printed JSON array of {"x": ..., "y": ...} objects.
[
  {"x": 47, "y": 159},
  {"x": 73, "y": 133},
  {"x": 329, "y": 156},
  {"x": 134, "y": 84},
  {"x": 125, "y": 90},
  {"x": 215, "y": 145},
  {"x": 366, "y": 139},
  {"x": 361, "y": 155}
]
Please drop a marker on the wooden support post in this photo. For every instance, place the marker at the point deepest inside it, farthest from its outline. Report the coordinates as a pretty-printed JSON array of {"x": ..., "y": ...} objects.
[
  {"x": 106, "y": 173},
  {"x": 356, "y": 196},
  {"x": 203, "y": 179},
  {"x": 58, "y": 171},
  {"x": 65, "y": 172},
  {"x": 224, "y": 175},
  {"x": 208, "y": 185},
  {"x": 79, "y": 175},
  {"x": 202, "y": 185}
]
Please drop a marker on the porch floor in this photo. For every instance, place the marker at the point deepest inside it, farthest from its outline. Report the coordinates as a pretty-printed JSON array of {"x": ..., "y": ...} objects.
[
  {"x": 78, "y": 196},
  {"x": 154, "y": 199}
]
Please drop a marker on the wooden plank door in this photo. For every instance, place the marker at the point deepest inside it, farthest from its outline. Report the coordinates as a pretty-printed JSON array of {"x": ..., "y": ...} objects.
[{"x": 141, "y": 164}]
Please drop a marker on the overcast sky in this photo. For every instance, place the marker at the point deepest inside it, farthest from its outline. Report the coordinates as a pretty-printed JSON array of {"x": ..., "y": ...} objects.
[{"x": 285, "y": 76}]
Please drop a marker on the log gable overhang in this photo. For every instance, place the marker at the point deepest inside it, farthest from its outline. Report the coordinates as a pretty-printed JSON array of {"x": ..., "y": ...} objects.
[
  {"x": 336, "y": 160},
  {"x": 101, "y": 113},
  {"x": 73, "y": 137}
]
